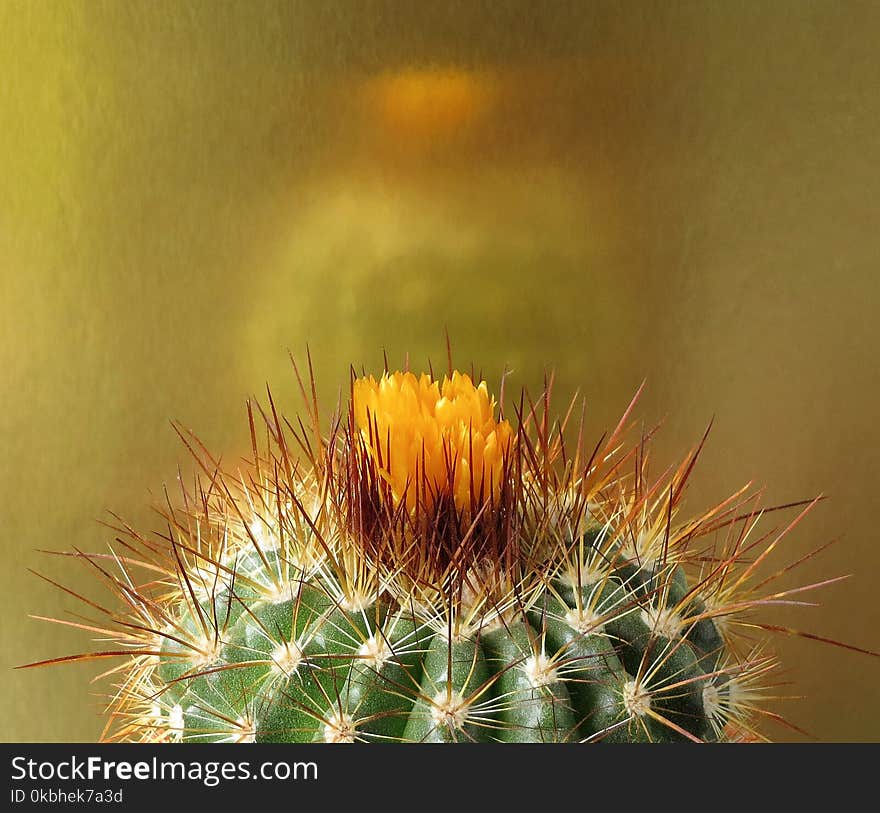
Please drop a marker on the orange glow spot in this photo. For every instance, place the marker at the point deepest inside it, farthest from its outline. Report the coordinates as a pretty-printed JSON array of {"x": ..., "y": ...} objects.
[
  {"x": 429, "y": 438},
  {"x": 418, "y": 104}
]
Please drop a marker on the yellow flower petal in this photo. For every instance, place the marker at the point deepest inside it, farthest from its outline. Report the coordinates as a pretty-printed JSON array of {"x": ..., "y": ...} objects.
[{"x": 443, "y": 432}]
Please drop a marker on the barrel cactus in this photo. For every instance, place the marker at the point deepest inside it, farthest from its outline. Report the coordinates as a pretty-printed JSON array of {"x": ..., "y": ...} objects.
[{"x": 420, "y": 568}]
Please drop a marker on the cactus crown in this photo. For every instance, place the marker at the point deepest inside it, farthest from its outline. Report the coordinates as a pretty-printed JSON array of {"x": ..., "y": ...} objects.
[{"x": 425, "y": 570}]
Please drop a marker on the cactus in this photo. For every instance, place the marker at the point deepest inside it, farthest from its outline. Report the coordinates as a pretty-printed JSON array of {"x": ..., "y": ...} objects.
[{"x": 428, "y": 570}]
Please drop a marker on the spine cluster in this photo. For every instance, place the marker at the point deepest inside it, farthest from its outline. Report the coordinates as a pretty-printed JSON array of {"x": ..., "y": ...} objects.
[{"x": 475, "y": 580}]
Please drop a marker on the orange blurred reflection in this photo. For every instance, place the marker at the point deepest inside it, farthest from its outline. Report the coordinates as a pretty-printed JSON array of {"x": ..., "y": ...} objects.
[{"x": 418, "y": 105}]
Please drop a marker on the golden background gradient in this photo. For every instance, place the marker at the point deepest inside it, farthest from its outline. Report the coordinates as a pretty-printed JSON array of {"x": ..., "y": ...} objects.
[{"x": 685, "y": 193}]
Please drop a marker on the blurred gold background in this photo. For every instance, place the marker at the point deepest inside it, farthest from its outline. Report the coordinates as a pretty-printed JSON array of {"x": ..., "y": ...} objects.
[{"x": 683, "y": 193}]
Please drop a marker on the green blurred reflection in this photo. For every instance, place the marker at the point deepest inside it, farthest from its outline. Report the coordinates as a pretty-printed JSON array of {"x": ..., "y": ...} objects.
[{"x": 683, "y": 194}]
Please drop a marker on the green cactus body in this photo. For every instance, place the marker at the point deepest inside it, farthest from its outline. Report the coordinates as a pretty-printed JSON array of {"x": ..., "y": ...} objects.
[
  {"x": 292, "y": 665},
  {"x": 427, "y": 573}
]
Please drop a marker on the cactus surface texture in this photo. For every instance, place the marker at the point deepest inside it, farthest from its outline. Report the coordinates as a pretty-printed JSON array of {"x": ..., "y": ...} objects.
[{"x": 421, "y": 568}]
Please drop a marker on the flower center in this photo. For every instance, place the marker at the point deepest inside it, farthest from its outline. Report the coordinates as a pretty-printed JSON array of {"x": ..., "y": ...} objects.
[{"x": 430, "y": 439}]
